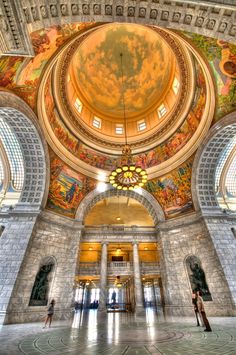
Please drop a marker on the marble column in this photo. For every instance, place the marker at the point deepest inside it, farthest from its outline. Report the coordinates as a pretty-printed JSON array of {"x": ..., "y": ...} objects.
[
  {"x": 103, "y": 278},
  {"x": 137, "y": 280}
]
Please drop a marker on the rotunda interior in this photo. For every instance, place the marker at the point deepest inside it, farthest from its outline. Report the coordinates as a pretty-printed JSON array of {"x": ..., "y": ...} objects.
[{"x": 78, "y": 84}]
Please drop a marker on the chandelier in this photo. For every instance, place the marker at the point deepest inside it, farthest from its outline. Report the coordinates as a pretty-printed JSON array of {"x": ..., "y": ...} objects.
[
  {"x": 118, "y": 282},
  {"x": 127, "y": 176}
]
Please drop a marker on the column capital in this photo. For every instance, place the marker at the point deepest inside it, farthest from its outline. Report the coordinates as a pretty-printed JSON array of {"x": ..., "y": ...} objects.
[
  {"x": 135, "y": 242},
  {"x": 104, "y": 242}
]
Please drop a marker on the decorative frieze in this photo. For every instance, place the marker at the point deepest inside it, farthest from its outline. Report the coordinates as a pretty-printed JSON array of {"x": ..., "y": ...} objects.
[
  {"x": 14, "y": 36},
  {"x": 213, "y": 18}
]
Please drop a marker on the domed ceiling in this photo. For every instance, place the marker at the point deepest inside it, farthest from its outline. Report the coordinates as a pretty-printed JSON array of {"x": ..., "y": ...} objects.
[
  {"x": 79, "y": 152},
  {"x": 83, "y": 83},
  {"x": 148, "y": 65}
]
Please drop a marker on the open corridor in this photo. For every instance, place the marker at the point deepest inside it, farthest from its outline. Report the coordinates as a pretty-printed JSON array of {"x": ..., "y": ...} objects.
[{"x": 120, "y": 333}]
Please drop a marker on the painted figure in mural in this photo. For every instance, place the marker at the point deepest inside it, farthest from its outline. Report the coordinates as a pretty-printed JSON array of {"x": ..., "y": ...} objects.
[
  {"x": 40, "y": 289},
  {"x": 70, "y": 194}
]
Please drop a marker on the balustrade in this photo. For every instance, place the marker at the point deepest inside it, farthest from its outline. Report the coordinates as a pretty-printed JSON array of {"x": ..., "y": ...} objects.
[{"x": 93, "y": 268}]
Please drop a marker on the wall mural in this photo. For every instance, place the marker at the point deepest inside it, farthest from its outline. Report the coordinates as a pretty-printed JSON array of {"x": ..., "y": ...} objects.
[
  {"x": 173, "y": 190},
  {"x": 222, "y": 58},
  {"x": 61, "y": 132},
  {"x": 67, "y": 188},
  {"x": 22, "y": 75}
]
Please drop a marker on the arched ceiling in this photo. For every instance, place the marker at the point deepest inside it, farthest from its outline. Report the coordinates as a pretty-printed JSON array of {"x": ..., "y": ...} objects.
[
  {"x": 168, "y": 138},
  {"x": 148, "y": 65},
  {"x": 140, "y": 98},
  {"x": 119, "y": 210},
  {"x": 80, "y": 153}
]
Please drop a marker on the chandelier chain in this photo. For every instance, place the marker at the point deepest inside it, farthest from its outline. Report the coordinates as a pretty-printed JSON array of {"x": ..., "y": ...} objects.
[{"x": 123, "y": 96}]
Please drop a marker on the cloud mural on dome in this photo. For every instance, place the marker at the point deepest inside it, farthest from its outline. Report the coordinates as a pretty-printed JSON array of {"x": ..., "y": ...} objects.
[{"x": 148, "y": 63}]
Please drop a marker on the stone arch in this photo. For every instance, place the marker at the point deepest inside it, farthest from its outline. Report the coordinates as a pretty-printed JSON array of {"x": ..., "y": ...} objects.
[
  {"x": 23, "y": 123},
  {"x": 145, "y": 198},
  {"x": 206, "y": 160}
]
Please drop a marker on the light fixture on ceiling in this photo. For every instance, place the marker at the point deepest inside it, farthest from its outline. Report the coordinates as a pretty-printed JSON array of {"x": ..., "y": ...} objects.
[
  {"x": 118, "y": 249},
  {"x": 127, "y": 176},
  {"x": 118, "y": 283}
]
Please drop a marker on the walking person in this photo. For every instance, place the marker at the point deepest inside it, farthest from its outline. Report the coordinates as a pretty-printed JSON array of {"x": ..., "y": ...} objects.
[
  {"x": 50, "y": 313},
  {"x": 194, "y": 302},
  {"x": 201, "y": 309}
]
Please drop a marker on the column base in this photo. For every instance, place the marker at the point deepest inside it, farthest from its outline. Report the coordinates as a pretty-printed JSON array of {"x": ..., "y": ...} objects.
[
  {"x": 102, "y": 310},
  {"x": 140, "y": 311},
  {"x": 3, "y": 316}
]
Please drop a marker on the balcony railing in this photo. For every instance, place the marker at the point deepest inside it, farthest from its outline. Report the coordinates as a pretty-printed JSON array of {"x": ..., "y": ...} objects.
[
  {"x": 148, "y": 268},
  {"x": 120, "y": 267},
  {"x": 117, "y": 268},
  {"x": 89, "y": 268}
]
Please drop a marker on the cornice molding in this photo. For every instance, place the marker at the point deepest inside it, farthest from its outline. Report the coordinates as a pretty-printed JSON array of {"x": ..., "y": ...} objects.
[{"x": 19, "y": 19}]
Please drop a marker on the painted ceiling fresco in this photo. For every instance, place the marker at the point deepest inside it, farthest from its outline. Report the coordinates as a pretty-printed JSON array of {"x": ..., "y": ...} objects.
[
  {"x": 222, "y": 59},
  {"x": 22, "y": 75},
  {"x": 159, "y": 154},
  {"x": 147, "y": 66},
  {"x": 173, "y": 190},
  {"x": 67, "y": 187}
]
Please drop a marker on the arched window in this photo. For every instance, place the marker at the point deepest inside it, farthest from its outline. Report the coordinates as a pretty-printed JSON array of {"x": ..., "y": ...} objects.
[
  {"x": 40, "y": 292},
  {"x": 14, "y": 154},
  {"x": 226, "y": 177},
  {"x": 197, "y": 277}
]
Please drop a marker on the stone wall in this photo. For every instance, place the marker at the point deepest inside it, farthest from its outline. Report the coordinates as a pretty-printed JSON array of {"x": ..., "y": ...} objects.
[
  {"x": 13, "y": 245},
  {"x": 179, "y": 239},
  {"x": 221, "y": 229},
  {"x": 57, "y": 237}
]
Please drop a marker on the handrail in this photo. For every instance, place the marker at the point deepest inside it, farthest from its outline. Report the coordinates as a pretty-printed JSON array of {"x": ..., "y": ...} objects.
[{"x": 118, "y": 264}]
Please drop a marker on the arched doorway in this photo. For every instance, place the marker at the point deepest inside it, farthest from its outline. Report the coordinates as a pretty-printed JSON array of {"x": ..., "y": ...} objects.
[{"x": 119, "y": 261}]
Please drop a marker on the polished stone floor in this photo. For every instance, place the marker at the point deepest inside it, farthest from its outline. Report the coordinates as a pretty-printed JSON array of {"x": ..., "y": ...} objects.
[{"x": 120, "y": 333}]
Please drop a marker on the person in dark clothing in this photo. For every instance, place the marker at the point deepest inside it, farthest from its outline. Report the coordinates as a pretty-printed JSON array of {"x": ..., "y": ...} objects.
[
  {"x": 50, "y": 313},
  {"x": 194, "y": 302},
  {"x": 201, "y": 309}
]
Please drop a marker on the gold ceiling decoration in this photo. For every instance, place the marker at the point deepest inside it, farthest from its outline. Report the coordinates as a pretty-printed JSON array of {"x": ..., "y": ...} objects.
[{"x": 127, "y": 176}]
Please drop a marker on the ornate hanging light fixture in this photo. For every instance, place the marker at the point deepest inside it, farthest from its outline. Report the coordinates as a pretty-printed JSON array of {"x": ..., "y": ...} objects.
[
  {"x": 118, "y": 282},
  {"x": 127, "y": 176}
]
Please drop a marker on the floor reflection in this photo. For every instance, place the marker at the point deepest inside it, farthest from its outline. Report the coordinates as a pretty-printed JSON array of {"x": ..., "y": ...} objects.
[
  {"x": 120, "y": 333},
  {"x": 116, "y": 327}
]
